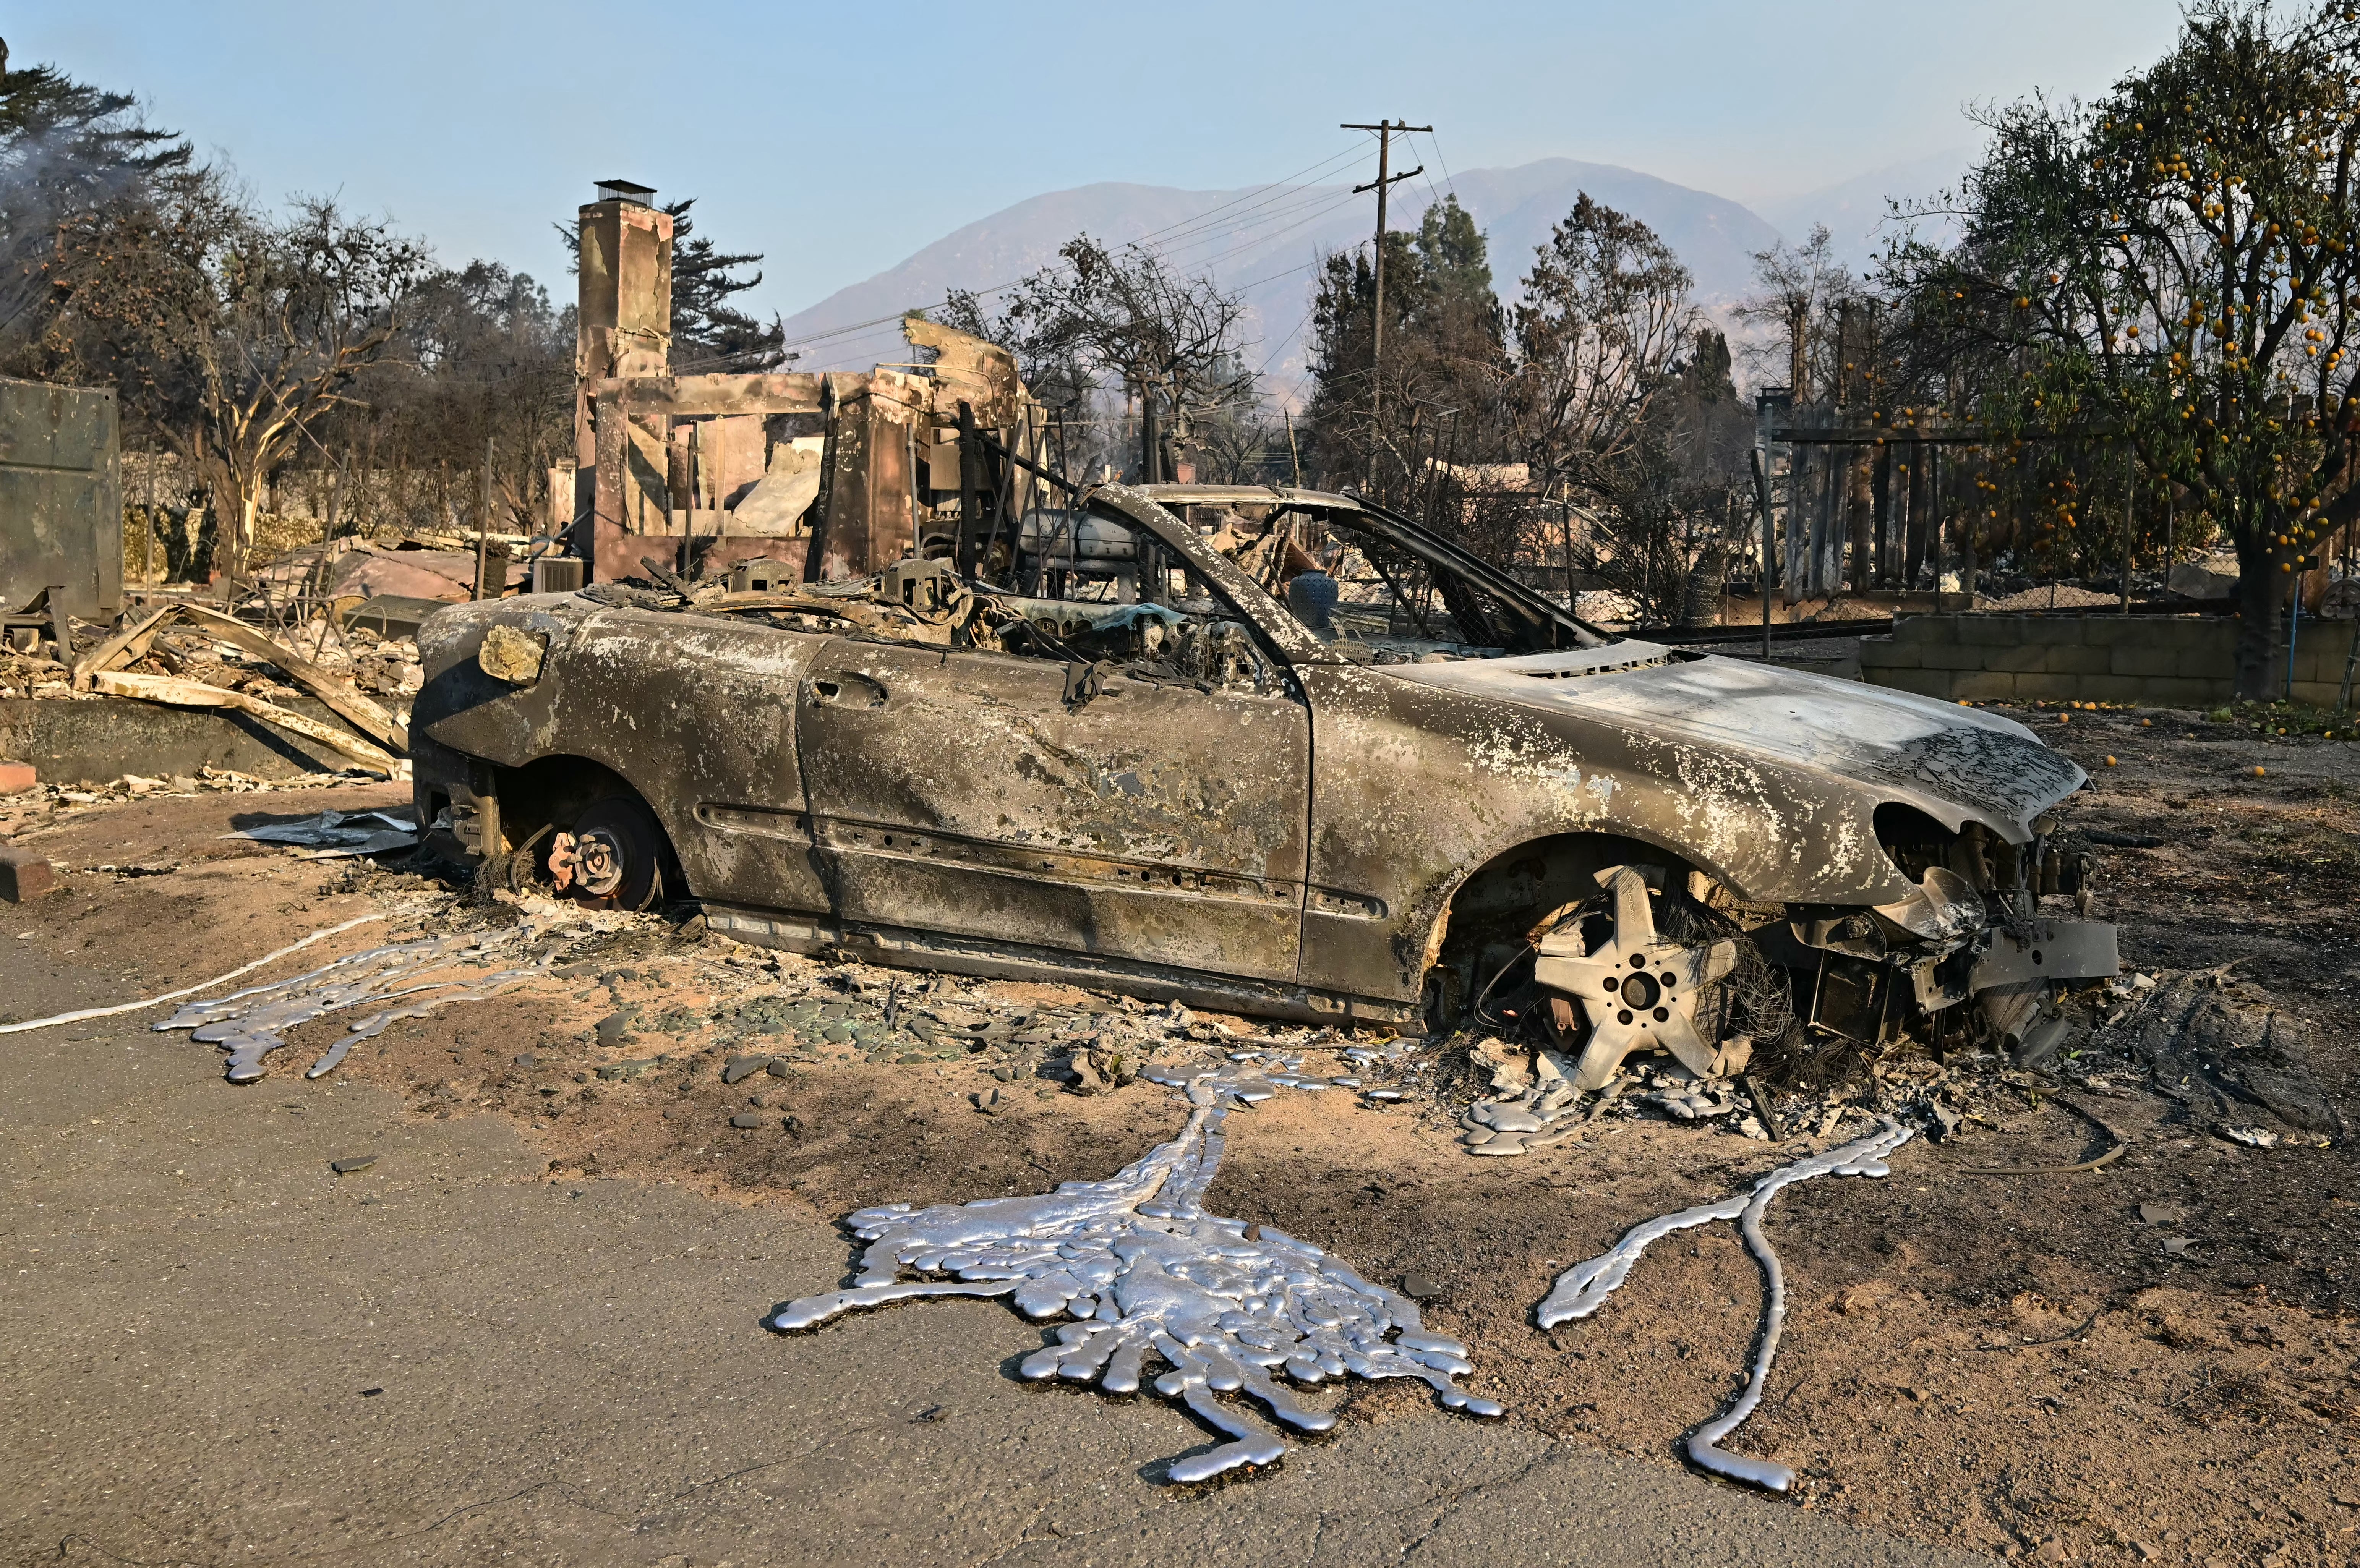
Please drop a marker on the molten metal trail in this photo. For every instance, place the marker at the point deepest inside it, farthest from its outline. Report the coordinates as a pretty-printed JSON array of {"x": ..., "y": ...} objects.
[
  {"x": 1141, "y": 1269},
  {"x": 1583, "y": 1288},
  {"x": 253, "y": 1023}
]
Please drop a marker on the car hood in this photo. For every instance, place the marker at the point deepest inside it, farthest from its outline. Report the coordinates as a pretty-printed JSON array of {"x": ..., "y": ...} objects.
[{"x": 1954, "y": 763}]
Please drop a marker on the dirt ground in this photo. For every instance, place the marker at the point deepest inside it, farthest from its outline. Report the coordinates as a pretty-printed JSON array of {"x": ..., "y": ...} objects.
[{"x": 2010, "y": 1364}]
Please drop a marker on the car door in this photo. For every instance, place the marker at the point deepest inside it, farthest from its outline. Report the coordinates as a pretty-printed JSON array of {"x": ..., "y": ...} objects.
[{"x": 978, "y": 794}]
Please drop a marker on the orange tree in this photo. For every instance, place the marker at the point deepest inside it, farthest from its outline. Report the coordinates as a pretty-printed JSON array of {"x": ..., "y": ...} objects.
[{"x": 2171, "y": 269}]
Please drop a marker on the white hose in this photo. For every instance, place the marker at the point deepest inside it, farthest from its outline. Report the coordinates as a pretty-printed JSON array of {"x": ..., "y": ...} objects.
[{"x": 176, "y": 995}]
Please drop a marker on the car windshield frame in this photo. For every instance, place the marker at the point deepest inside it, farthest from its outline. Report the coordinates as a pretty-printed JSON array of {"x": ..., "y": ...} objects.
[{"x": 1552, "y": 627}]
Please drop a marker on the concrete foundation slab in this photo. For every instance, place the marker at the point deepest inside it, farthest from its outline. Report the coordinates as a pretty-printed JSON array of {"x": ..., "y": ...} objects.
[{"x": 96, "y": 740}]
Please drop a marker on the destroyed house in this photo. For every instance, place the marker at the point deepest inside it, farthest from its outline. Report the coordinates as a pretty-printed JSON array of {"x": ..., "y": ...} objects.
[{"x": 828, "y": 475}]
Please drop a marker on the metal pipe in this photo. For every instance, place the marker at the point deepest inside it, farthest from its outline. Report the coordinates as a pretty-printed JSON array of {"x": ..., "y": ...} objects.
[{"x": 1762, "y": 499}]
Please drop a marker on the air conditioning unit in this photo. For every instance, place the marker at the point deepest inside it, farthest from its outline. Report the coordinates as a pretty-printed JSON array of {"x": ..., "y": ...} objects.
[
  {"x": 763, "y": 576},
  {"x": 557, "y": 575}
]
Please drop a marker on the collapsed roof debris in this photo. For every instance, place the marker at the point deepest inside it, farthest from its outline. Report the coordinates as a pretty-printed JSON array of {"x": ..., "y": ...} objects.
[
  {"x": 194, "y": 656},
  {"x": 1141, "y": 1269},
  {"x": 335, "y": 835}
]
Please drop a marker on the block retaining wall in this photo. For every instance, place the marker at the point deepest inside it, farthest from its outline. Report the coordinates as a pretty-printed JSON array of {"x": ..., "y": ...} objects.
[{"x": 2159, "y": 660}]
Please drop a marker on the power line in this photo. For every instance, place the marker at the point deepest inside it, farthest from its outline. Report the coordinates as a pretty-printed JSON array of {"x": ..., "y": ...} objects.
[
  {"x": 1447, "y": 182},
  {"x": 1289, "y": 338},
  {"x": 1321, "y": 166},
  {"x": 1267, "y": 239},
  {"x": 1320, "y": 196},
  {"x": 1429, "y": 179},
  {"x": 859, "y": 329},
  {"x": 1002, "y": 288},
  {"x": 852, "y": 334}
]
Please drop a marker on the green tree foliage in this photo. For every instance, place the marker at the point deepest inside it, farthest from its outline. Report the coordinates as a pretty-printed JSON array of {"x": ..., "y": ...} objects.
[
  {"x": 1445, "y": 358},
  {"x": 2171, "y": 269},
  {"x": 707, "y": 332}
]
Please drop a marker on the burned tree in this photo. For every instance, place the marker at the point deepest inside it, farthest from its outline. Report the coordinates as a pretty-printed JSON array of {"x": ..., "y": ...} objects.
[
  {"x": 1122, "y": 318},
  {"x": 483, "y": 363},
  {"x": 229, "y": 332},
  {"x": 1445, "y": 363},
  {"x": 1798, "y": 291},
  {"x": 1622, "y": 405},
  {"x": 1605, "y": 314}
]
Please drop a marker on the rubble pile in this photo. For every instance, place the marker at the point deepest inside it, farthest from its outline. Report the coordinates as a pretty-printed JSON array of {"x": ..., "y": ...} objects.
[
  {"x": 777, "y": 1008},
  {"x": 43, "y": 802},
  {"x": 386, "y": 665},
  {"x": 187, "y": 654},
  {"x": 2195, "y": 1036}
]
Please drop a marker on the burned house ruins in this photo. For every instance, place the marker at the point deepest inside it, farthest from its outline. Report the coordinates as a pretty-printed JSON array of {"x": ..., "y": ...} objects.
[{"x": 827, "y": 474}]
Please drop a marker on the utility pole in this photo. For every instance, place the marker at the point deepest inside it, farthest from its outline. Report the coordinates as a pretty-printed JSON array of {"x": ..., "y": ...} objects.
[{"x": 1384, "y": 181}]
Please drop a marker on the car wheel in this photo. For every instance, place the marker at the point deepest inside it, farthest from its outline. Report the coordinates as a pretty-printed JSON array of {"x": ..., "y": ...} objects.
[{"x": 614, "y": 857}]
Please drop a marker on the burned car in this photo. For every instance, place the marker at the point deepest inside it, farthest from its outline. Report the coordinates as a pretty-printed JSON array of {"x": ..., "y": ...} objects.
[{"x": 1277, "y": 751}]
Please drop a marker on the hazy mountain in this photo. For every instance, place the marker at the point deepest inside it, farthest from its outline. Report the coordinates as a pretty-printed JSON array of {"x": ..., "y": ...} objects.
[
  {"x": 1858, "y": 210},
  {"x": 1265, "y": 242}
]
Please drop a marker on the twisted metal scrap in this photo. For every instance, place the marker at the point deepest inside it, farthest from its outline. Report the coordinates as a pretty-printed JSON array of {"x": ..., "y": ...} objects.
[
  {"x": 1583, "y": 1288},
  {"x": 253, "y": 1023},
  {"x": 1140, "y": 1268}
]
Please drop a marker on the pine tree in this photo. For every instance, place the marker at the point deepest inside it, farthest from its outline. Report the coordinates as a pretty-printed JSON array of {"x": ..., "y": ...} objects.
[
  {"x": 67, "y": 149},
  {"x": 707, "y": 332}
]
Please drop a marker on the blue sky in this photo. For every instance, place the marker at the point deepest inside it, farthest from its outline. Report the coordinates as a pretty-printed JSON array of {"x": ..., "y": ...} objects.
[{"x": 840, "y": 138}]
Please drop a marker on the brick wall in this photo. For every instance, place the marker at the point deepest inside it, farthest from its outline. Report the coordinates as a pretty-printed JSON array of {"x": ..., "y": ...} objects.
[{"x": 2164, "y": 660}]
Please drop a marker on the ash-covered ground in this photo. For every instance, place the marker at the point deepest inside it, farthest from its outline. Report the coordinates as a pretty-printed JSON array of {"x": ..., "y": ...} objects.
[{"x": 2150, "y": 1361}]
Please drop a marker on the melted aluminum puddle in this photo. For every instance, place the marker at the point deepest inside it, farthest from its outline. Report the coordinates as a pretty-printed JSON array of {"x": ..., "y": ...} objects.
[
  {"x": 253, "y": 1023},
  {"x": 1583, "y": 1288},
  {"x": 1140, "y": 1267}
]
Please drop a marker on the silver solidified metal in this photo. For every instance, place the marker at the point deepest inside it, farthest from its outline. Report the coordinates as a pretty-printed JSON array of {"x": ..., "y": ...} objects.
[
  {"x": 84, "y": 1014},
  {"x": 1583, "y": 1288},
  {"x": 253, "y": 1023},
  {"x": 1141, "y": 1269}
]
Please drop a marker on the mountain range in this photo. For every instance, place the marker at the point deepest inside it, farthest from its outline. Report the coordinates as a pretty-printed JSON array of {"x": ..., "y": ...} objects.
[{"x": 1266, "y": 242}]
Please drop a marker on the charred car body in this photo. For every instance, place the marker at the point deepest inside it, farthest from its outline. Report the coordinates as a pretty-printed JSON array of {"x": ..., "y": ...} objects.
[{"x": 1102, "y": 748}]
